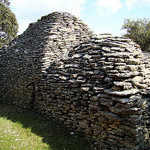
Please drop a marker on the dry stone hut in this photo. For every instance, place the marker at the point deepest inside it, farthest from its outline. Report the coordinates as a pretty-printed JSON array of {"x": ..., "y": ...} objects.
[
  {"x": 44, "y": 42},
  {"x": 98, "y": 85}
]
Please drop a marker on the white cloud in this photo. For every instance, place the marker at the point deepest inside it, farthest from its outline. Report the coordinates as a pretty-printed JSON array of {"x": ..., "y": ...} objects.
[
  {"x": 28, "y": 11},
  {"x": 130, "y": 3},
  {"x": 137, "y": 3},
  {"x": 105, "y": 7}
]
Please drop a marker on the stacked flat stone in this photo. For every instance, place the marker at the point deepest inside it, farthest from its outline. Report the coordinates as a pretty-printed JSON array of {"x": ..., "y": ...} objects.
[
  {"x": 97, "y": 85},
  {"x": 45, "y": 41},
  {"x": 100, "y": 90}
]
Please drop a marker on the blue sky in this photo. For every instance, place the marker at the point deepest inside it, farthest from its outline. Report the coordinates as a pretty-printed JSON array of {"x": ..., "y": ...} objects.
[{"x": 102, "y": 16}]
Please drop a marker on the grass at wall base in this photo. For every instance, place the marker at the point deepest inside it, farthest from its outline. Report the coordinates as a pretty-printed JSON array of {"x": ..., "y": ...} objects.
[{"x": 23, "y": 130}]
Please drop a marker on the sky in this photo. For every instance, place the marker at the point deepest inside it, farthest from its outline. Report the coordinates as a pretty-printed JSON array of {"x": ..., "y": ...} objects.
[{"x": 102, "y": 16}]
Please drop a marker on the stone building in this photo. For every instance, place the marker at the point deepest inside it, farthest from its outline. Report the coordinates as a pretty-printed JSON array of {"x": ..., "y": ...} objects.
[
  {"x": 30, "y": 54},
  {"x": 98, "y": 85}
]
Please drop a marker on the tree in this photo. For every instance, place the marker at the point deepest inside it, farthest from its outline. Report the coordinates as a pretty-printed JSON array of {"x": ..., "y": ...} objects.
[
  {"x": 5, "y": 2},
  {"x": 8, "y": 24},
  {"x": 139, "y": 31}
]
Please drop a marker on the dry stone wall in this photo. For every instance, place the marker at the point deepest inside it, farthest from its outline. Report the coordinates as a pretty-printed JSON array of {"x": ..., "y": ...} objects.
[
  {"x": 98, "y": 85},
  {"x": 28, "y": 56}
]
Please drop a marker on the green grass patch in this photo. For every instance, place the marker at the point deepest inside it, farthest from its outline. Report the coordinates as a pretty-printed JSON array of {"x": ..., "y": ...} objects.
[{"x": 24, "y": 130}]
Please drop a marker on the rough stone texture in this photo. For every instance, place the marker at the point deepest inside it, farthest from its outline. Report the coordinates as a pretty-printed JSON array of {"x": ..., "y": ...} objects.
[
  {"x": 98, "y": 85},
  {"x": 27, "y": 57}
]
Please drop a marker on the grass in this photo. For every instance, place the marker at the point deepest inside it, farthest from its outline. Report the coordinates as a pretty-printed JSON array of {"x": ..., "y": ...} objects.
[{"x": 23, "y": 130}]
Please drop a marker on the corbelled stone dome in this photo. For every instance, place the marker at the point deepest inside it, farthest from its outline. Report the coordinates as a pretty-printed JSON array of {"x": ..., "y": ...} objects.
[
  {"x": 45, "y": 41},
  {"x": 98, "y": 85}
]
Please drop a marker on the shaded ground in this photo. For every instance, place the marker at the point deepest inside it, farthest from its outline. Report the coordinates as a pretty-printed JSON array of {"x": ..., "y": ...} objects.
[{"x": 57, "y": 137}]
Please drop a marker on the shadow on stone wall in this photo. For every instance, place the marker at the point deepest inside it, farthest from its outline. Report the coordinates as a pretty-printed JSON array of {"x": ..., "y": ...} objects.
[
  {"x": 31, "y": 53},
  {"x": 98, "y": 85},
  {"x": 55, "y": 135}
]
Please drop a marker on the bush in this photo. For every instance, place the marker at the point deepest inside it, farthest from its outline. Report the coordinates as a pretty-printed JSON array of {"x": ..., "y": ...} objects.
[
  {"x": 8, "y": 25},
  {"x": 139, "y": 31}
]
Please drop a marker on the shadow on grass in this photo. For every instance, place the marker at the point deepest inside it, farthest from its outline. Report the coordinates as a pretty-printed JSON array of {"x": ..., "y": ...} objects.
[{"x": 57, "y": 137}]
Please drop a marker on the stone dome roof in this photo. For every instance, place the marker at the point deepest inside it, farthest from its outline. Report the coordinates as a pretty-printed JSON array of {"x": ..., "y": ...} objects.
[{"x": 99, "y": 85}]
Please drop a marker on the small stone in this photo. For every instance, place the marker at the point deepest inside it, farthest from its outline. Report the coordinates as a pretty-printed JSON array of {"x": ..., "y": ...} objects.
[
  {"x": 118, "y": 54},
  {"x": 85, "y": 89},
  {"x": 110, "y": 116},
  {"x": 123, "y": 83},
  {"x": 76, "y": 56},
  {"x": 72, "y": 81},
  {"x": 95, "y": 98},
  {"x": 87, "y": 56},
  {"x": 117, "y": 49},
  {"x": 72, "y": 133},
  {"x": 133, "y": 61},
  {"x": 121, "y": 93},
  {"x": 63, "y": 78},
  {"x": 106, "y": 49},
  {"x": 127, "y": 75},
  {"x": 126, "y": 100}
]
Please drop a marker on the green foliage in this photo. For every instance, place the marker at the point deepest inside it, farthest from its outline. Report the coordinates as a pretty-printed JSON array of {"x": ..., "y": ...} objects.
[
  {"x": 139, "y": 31},
  {"x": 6, "y": 2},
  {"x": 8, "y": 25}
]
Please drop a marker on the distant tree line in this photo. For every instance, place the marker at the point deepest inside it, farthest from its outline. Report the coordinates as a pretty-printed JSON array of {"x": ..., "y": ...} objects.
[
  {"x": 139, "y": 31},
  {"x": 8, "y": 24}
]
